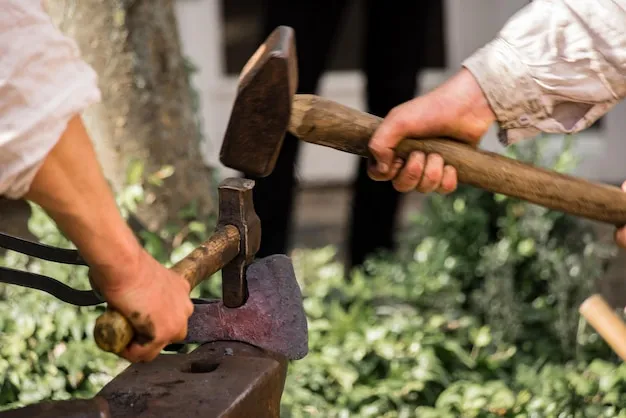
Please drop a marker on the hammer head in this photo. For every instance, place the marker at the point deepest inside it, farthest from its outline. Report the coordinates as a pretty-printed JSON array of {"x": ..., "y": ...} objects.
[
  {"x": 260, "y": 114},
  {"x": 272, "y": 318}
]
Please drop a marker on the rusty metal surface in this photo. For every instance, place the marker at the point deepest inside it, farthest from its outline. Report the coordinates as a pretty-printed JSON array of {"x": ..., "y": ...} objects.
[
  {"x": 237, "y": 209},
  {"x": 217, "y": 380},
  {"x": 272, "y": 318},
  {"x": 76, "y": 408}
]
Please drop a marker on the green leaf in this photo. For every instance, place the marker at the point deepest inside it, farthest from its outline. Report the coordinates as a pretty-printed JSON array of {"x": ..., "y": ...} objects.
[
  {"x": 135, "y": 171},
  {"x": 482, "y": 337}
]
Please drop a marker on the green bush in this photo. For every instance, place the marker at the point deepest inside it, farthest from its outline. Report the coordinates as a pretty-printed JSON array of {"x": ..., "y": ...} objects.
[
  {"x": 475, "y": 316},
  {"x": 46, "y": 346}
]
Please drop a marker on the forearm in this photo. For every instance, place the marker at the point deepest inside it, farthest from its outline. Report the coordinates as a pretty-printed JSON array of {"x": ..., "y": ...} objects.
[
  {"x": 71, "y": 188},
  {"x": 556, "y": 66}
]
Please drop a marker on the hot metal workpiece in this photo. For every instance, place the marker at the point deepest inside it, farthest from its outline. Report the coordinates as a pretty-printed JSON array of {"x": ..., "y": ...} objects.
[{"x": 217, "y": 380}]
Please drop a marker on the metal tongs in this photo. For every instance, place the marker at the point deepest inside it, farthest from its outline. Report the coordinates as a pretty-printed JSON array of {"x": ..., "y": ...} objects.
[{"x": 44, "y": 283}]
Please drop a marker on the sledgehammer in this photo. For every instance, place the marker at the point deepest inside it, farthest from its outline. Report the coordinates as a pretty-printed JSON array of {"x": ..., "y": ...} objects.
[{"x": 266, "y": 107}]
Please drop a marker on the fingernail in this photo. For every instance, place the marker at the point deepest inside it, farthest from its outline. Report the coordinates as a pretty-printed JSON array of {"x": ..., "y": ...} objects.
[{"x": 382, "y": 167}]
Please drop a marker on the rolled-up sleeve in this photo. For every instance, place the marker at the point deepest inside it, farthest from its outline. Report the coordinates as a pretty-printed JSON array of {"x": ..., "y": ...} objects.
[
  {"x": 556, "y": 66},
  {"x": 43, "y": 84}
]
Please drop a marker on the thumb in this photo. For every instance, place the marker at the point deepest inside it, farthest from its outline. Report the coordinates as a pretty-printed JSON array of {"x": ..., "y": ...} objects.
[
  {"x": 382, "y": 144},
  {"x": 406, "y": 120}
]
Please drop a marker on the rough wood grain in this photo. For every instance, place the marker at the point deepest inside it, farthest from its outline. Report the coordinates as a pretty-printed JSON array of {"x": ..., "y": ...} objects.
[
  {"x": 113, "y": 332},
  {"x": 327, "y": 123},
  {"x": 211, "y": 256}
]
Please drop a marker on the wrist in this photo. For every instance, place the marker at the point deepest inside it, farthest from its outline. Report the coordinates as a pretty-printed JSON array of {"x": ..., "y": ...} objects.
[
  {"x": 102, "y": 237},
  {"x": 472, "y": 114}
]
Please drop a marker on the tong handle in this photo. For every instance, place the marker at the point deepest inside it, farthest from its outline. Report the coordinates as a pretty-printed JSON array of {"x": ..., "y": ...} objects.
[
  {"x": 113, "y": 331},
  {"x": 42, "y": 251}
]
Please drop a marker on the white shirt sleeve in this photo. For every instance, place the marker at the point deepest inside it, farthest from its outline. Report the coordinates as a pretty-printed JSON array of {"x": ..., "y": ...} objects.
[
  {"x": 556, "y": 66},
  {"x": 43, "y": 84}
]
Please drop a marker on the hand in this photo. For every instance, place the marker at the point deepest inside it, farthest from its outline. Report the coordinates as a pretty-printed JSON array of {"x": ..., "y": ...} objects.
[
  {"x": 154, "y": 299},
  {"x": 457, "y": 109},
  {"x": 620, "y": 233}
]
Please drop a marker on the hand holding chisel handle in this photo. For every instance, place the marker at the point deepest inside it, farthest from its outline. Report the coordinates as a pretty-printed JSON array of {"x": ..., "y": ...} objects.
[
  {"x": 231, "y": 247},
  {"x": 113, "y": 331},
  {"x": 327, "y": 123}
]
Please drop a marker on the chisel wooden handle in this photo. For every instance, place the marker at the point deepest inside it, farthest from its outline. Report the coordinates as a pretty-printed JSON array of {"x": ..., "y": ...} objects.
[
  {"x": 327, "y": 123},
  {"x": 605, "y": 321},
  {"x": 113, "y": 332}
]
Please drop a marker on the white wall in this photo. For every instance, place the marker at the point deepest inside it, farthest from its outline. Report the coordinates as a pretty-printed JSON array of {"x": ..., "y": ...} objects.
[{"x": 469, "y": 24}]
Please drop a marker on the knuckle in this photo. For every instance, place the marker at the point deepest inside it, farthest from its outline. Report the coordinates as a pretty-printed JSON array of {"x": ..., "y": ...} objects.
[
  {"x": 417, "y": 157},
  {"x": 435, "y": 159},
  {"x": 400, "y": 187},
  {"x": 433, "y": 173},
  {"x": 404, "y": 183},
  {"x": 401, "y": 124},
  {"x": 414, "y": 175},
  {"x": 377, "y": 148},
  {"x": 415, "y": 166},
  {"x": 394, "y": 114}
]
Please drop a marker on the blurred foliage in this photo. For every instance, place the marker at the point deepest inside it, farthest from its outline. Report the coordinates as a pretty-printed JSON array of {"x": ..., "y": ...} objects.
[{"x": 474, "y": 316}]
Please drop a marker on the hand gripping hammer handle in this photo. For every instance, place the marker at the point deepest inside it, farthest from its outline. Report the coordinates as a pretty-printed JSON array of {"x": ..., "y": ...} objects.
[
  {"x": 327, "y": 123},
  {"x": 113, "y": 332}
]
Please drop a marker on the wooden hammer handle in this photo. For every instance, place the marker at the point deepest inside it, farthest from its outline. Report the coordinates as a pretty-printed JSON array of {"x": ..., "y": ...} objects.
[
  {"x": 113, "y": 332},
  {"x": 605, "y": 321},
  {"x": 327, "y": 123}
]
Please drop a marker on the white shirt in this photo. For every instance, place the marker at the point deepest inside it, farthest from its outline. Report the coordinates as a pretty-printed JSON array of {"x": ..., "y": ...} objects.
[
  {"x": 43, "y": 84},
  {"x": 556, "y": 66}
]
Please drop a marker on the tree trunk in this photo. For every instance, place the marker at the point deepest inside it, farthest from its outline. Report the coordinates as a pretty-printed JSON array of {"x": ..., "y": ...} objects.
[{"x": 147, "y": 110}]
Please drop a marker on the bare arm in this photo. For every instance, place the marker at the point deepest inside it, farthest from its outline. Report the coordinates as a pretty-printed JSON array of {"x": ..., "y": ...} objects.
[{"x": 71, "y": 188}]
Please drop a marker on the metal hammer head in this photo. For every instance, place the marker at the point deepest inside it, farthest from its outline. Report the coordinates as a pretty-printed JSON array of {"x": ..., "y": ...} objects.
[
  {"x": 272, "y": 318},
  {"x": 260, "y": 115},
  {"x": 237, "y": 209}
]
